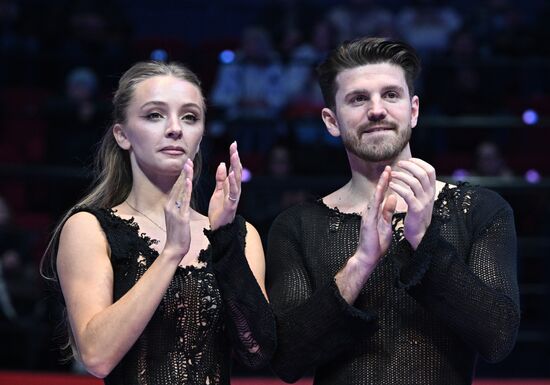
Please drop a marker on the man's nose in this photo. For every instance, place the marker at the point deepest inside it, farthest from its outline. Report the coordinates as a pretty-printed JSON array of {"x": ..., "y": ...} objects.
[{"x": 376, "y": 110}]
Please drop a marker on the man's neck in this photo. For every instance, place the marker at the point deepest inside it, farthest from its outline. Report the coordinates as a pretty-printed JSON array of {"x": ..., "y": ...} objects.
[{"x": 354, "y": 195}]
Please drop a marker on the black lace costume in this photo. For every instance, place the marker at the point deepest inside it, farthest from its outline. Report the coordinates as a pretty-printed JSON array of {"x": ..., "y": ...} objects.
[
  {"x": 206, "y": 313},
  {"x": 423, "y": 316}
]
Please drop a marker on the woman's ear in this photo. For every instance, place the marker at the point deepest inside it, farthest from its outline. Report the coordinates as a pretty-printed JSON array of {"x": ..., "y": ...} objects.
[
  {"x": 415, "y": 108},
  {"x": 329, "y": 117},
  {"x": 199, "y": 145},
  {"x": 120, "y": 137}
]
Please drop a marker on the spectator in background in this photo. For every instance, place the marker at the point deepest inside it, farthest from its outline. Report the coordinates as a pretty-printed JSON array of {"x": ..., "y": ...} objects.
[
  {"x": 463, "y": 73},
  {"x": 270, "y": 199},
  {"x": 303, "y": 60},
  {"x": 304, "y": 95},
  {"x": 281, "y": 167},
  {"x": 291, "y": 40},
  {"x": 10, "y": 259},
  {"x": 362, "y": 18},
  {"x": 459, "y": 68},
  {"x": 20, "y": 43},
  {"x": 428, "y": 26},
  {"x": 76, "y": 119},
  {"x": 17, "y": 271},
  {"x": 251, "y": 92},
  {"x": 22, "y": 312},
  {"x": 95, "y": 38},
  {"x": 509, "y": 28},
  {"x": 490, "y": 162}
]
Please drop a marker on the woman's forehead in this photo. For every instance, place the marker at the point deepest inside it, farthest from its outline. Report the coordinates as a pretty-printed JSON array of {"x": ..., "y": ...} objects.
[{"x": 167, "y": 90}]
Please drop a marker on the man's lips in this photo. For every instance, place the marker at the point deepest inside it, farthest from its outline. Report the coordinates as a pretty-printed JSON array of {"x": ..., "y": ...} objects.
[{"x": 377, "y": 128}]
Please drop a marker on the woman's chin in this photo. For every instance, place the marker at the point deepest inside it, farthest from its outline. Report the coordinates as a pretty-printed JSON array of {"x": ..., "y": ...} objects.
[
  {"x": 174, "y": 166},
  {"x": 172, "y": 171},
  {"x": 165, "y": 169}
]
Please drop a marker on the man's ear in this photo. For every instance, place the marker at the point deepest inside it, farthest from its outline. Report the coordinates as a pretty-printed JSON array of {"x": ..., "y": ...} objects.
[
  {"x": 120, "y": 137},
  {"x": 329, "y": 117},
  {"x": 415, "y": 109}
]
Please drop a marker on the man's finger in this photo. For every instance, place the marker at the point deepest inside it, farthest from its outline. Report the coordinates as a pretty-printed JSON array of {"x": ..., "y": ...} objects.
[
  {"x": 388, "y": 209},
  {"x": 409, "y": 181},
  {"x": 373, "y": 207},
  {"x": 406, "y": 193},
  {"x": 418, "y": 172}
]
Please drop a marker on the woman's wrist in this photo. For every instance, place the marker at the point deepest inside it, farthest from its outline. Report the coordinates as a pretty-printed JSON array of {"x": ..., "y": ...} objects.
[
  {"x": 214, "y": 225},
  {"x": 171, "y": 256}
]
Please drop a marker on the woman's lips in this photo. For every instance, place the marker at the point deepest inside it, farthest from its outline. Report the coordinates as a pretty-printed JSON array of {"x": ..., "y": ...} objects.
[{"x": 173, "y": 150}]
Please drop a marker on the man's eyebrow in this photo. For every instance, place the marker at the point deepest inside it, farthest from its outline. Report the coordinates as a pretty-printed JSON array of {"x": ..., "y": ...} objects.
[
  {"x": 394, "y": 88},
  {"x": 357, "y": 91},
  {"x": 385, "y": 88}
]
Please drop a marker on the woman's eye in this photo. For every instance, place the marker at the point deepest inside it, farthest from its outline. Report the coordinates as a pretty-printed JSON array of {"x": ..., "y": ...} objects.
[
  {"x": 154, "y": 116},
  {"x": 190, "y": 118}
]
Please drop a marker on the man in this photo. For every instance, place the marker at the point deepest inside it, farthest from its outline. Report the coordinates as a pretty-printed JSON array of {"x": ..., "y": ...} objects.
[{"x": 421, "y": 283}]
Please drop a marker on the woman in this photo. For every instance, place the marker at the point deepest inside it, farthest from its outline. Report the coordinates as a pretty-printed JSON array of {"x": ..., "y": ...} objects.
[{"x": 152, "y": 297}]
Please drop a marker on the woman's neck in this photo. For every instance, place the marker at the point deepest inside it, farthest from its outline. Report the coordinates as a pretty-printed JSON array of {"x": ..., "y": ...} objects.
[{"x": 150, "y": 191}]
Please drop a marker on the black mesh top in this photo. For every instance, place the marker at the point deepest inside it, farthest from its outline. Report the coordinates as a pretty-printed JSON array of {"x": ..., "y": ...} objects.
[
  {"x": 423, "y": 316},
  {"x": 203, "y": 316}
]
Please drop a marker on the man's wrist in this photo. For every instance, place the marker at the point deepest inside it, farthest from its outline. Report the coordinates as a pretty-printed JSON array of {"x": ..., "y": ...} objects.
[
  {"x": 362, "y": 260},
  {"x": 415, "y": 241},
  {"x": 351, "y": 279}
]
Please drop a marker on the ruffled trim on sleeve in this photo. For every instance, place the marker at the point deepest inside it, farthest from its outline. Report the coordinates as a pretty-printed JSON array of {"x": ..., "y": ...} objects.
[
  {"x": 249, "y": 319},
  {"x": 222, "y": 238},
  {"x": 342, "y": 307},
  {"x": 411, "y": 265}
]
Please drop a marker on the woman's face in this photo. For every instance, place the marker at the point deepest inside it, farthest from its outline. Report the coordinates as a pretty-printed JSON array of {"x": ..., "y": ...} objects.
[{"x": 164, "y": 125}]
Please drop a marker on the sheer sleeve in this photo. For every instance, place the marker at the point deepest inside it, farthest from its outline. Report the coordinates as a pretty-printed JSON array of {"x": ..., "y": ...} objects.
[
  {"x": 250, "y": 320},
  {"x": 477, "y": 296},
  {"x": 313, "y": 326}
]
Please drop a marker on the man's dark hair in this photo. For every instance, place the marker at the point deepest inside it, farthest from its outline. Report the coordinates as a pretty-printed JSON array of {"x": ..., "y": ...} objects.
[{"x": 362, "y": 51}]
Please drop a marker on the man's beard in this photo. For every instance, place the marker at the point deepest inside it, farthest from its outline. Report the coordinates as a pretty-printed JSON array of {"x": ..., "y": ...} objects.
[{"x": 384, "y": 148}]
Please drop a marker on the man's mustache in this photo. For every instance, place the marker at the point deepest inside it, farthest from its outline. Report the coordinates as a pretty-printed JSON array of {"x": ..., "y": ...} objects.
[{"x": 382, "y": 123}]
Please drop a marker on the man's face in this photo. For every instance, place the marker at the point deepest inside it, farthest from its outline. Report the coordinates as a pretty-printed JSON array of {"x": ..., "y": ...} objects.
[{"x": 374, "y": 113}]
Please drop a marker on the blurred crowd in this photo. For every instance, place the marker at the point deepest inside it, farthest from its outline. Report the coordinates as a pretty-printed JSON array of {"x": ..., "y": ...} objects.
[
  {"x": 483, "y": 59},
  {"x": 479, "y": 58}
]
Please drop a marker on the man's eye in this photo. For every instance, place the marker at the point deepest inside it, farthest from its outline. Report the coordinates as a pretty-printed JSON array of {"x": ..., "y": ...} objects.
[
  {"x": 358, "y": 99},
  {"x": 154, "y": 116},
  {"x": 392, "y": 95},
  {"x": 190, "y": 118}
]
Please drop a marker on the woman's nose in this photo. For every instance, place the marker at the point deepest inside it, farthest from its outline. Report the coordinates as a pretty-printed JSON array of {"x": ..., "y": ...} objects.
[{"x": 173, "y": 128}]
